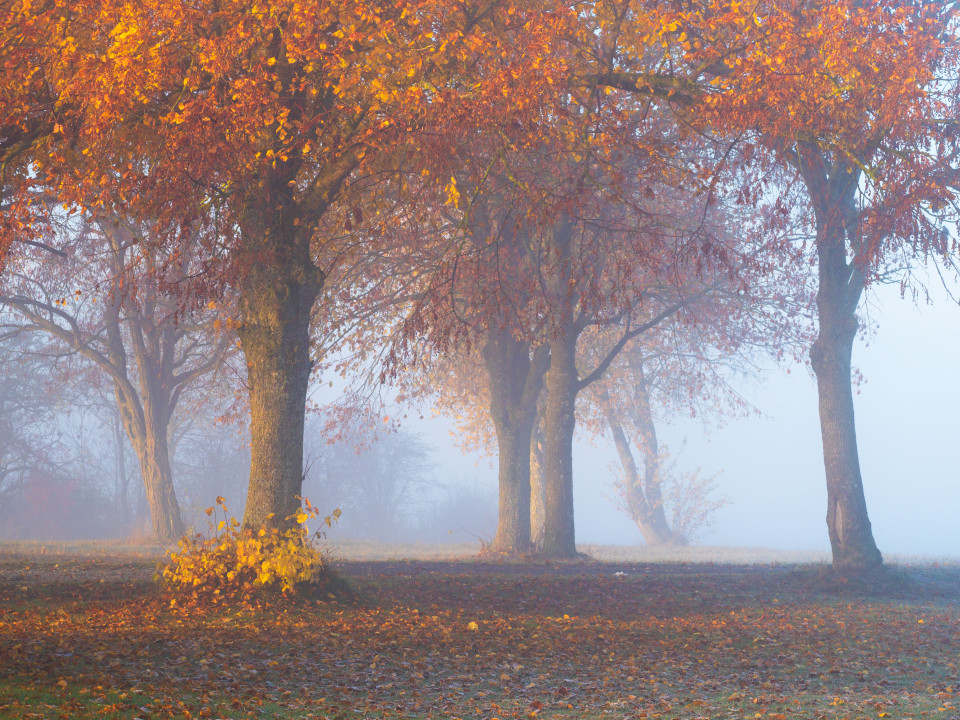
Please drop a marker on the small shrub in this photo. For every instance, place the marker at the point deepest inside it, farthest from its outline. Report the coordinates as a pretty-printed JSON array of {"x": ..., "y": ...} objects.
[{"x": 233, "y": 562}]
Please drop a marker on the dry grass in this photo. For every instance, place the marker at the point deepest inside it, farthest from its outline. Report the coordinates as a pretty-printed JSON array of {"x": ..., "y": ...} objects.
[{"x": 364, "y": 550}]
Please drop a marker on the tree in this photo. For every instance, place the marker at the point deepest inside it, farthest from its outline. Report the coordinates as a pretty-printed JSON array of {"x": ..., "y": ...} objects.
[
  {"x": 28, "y": 411},
  {"x": 856, "y": 100},
  {"x": 877, "y": 164},
  {"x": 378, "y": 483},
  {"x": 103, "y": 298},
  {"x": 266, "y": 123}
]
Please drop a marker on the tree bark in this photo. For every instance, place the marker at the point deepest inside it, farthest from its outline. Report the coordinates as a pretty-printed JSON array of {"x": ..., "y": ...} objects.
[
  {"x": 560, "y": 420},
  {"x": 158, "y": 484},
  {"x": 537, "y": 487},
  {"x": 515, "y": 381},
  {"x": 841, "y": 283},
  {"x": 120, "y": 467},
  {"x": 146, "y": 421},
  {"x": 649, "y": 446},
  {"x": 275, "y": 306},
  {"x": 277, "y": 289}
]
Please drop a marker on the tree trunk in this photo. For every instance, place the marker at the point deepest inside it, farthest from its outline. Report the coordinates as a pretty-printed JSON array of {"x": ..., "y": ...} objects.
[
  {"x": 851, "y": 536},
  {"x": 537, "y": 487},
  {"x": 146, "y": 421},
  {"x": 275, "y": 307},
  {"x": 560, "y": 419},
  {"x": 646, "y": 511},
  {"x": 656, "y": 518},
  {"x": 515, "y": 380},
  {"x": 120, "y": 469},
  {"x": 158, "y": 484},
  {"x": 840, "y": 287}
]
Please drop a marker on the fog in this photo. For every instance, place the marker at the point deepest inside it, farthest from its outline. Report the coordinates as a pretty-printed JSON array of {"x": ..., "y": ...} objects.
[
  {"x": 767, "y": 463},
  {"x": 770, "y": 465}
]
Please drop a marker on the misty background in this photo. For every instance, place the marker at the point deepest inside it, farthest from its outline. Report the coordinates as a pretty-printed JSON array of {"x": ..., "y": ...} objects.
[
  {"x": 769, "y": 465},
  {"x": 416, "y": 484}
]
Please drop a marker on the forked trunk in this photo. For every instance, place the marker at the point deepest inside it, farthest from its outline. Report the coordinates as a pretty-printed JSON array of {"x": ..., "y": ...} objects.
[
  {"x": 515, "y": 380},
  {"x": 840, "y": 286},
  {"x": 275, "y": 309},
  {"x": 642, "y": 495},
  {"x": 146, "y": 425},
  {"x": 560, "y": 420}
]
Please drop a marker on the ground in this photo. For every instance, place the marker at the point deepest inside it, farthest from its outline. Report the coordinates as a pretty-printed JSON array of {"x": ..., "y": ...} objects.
[{"x": 91, "y": 635}]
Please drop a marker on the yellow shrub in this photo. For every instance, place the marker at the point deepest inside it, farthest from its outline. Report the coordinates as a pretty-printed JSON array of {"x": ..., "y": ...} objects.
[{"x": 231, "y": 561}]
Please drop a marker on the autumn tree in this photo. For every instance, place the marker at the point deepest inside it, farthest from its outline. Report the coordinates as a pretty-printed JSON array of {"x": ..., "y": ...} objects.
[
  {"x": 857, "y": 102},
  {"x": 260, "y": 121},
  {"x": 469, "y": 342},
  {"x": 98, "y": 289},
  {"x": 623, "y": 266}
]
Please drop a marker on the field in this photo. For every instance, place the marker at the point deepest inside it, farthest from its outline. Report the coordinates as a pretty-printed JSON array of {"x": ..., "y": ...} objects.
[{"x": 85, "y": 632}]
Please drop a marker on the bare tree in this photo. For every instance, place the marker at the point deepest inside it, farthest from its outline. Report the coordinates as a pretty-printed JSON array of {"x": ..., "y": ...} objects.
[{"x": 99, "y": 289}]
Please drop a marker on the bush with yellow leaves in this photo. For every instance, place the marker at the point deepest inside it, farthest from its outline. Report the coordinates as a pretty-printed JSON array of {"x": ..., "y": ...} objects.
[{"x": 234, "y": 562}]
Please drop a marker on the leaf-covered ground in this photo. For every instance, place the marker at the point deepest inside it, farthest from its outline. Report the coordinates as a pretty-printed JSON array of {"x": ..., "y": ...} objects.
[{"x": 94, "y": 637}]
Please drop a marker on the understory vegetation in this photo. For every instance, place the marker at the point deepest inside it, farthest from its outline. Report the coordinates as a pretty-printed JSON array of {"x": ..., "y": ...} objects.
[{"x": 93, "y": 636}]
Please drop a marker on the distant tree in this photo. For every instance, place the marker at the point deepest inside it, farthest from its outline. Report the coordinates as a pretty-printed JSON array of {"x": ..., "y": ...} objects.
[
  {"x": 29, "y": 407},
  {"x": 378, "y": 482},
  {"x": 462, "y": 514},
  {"x": 105, "y": 297},
  {"x": 52, "y": 449}
]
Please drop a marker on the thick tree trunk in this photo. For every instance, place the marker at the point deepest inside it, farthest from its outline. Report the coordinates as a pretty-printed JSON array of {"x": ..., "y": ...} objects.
[
  {"x": 275, "y": 307},
  {"x": 158, "y": 484},
  {"x": 146, "y": 421},
  {"x": 513, "y": 525},
  {"x": 515, "y": 380},
  {"x": 840, "y": 287},
  {"x": 560, "y": 420},
  {"x": 538, "y": 497}
]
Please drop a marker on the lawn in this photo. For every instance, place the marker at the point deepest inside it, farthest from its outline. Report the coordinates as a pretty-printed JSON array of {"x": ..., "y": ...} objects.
[{"x": 91, "y": 635}]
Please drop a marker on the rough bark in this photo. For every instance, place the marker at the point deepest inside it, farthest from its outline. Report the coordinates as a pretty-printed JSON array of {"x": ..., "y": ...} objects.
[
  {"x": 145, "y": 419},
  {"x": 515, "y": 380},
  {"x": 560, "y": 420},
  {"x": 158, "y": 484},
  {"x": 278, "y": 286},
  {"x": 275, "y": 305},
  {"x": 841, "y": 283}
]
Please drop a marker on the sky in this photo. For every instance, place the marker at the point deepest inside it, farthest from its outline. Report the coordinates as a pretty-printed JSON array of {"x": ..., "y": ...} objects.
[{"x": 770, "y": 465}]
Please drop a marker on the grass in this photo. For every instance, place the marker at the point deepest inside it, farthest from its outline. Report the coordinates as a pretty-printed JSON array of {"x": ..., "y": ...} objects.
[{"x": 85, "y": 633}]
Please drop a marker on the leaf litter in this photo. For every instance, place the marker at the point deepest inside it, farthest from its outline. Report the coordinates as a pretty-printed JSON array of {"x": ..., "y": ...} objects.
[{"x": 97, "y": 638}]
